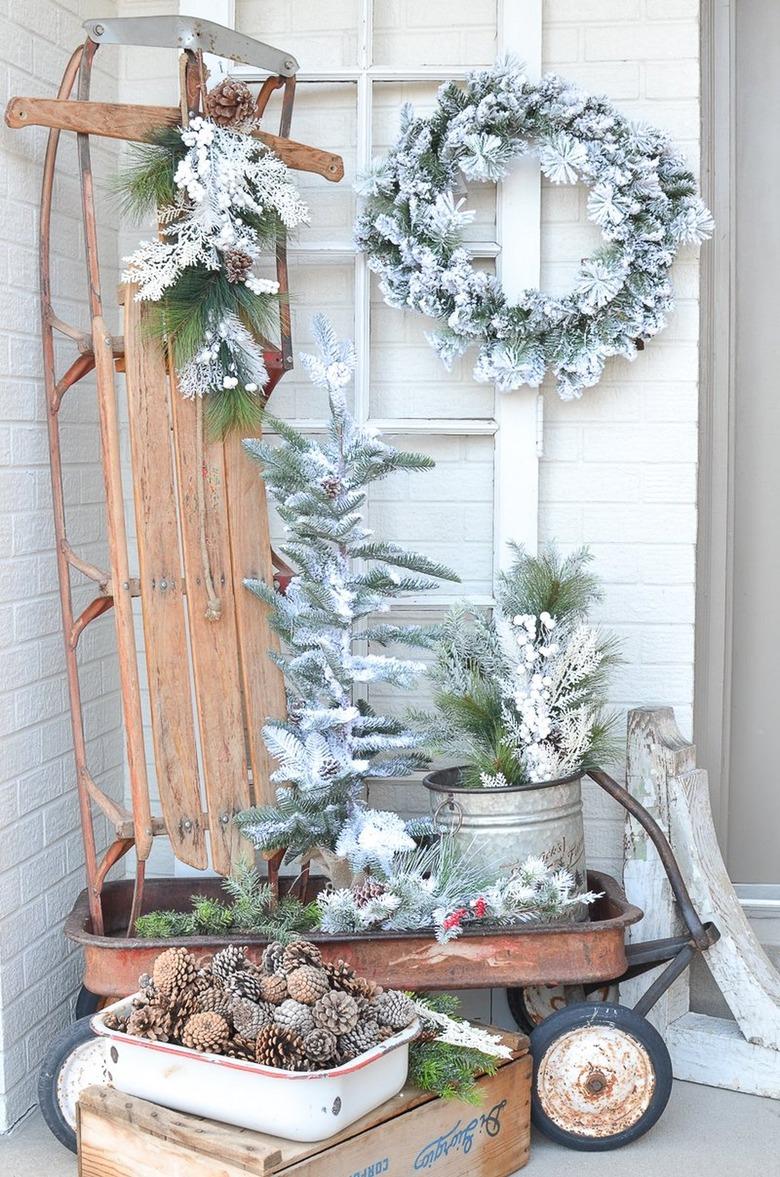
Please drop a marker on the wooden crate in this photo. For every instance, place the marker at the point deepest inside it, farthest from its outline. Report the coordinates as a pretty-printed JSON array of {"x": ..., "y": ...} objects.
[{"x": 122, "y": 1136}]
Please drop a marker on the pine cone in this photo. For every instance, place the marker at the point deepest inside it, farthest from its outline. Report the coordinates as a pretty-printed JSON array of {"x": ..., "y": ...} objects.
[
  {"x": 113, "y": 1022},
  {"x": 279, "y": 1047},
  {"x": 243, "y": 1048},
  {"x": 247, "y": 983},
  {"x": 300, "y": 952},
  {"x": 340, "y": 974},
  {"x": 230, "y": 104},
  {"x": 206, "y": 1032},
  {"x": 249, "y": 1017},
  {"x": 273, "y": 989},
  {"x": 362, "y": 987},
  {"x": 368, "y": 890},
  {"x": 307, "y": 984},
  {"x": 358, "y": 1041},
  {"x": 229, "y": 961},
  {"x": 174, "y": 970},
  {"x": 336, "y": 1011},
  {"x": 237, "y": 265},
  {"x": 150, "y": 1022},
  {"x": 319, "y": 1045},
  {"x": 293, "y": 1015},
  {"x": 272, "y": 960},
  {"x": 216, "y": 1000},
  {"x": 393, "y": 1009}
]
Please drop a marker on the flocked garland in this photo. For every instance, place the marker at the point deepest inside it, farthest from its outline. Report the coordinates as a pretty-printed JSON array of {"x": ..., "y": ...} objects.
[
  {"x": 220, "y": 197},
  {"x": 641, "y": 195}
]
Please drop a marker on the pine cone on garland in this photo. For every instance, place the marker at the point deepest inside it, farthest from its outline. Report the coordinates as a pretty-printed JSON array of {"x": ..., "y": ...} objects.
[
  {"x": 358, "y": 1041},
  {"x": 249, "y": 1017},
  {"x": 320, "y": 1045},
  {"x": 206, "y": 1032},
  {"x": 174, "y": 970},
  {"x": 274, "y": 989},
  {"x": 279, "y": 1047},
  {"x": 307, "y": 984},
  {"x": 237, "y": 265},
  {"x": 293, "y": 1015},
  {"x": 149, "y": 1021},
  {"x": 230, "y": 104},
  {"x": 336, "y": 1011},
  {"x": 368, "y": 890},
  {"x": 299, "y": 953},
  {"x": 272, "y": 960},
  {"x": 393, "y": 1009}
]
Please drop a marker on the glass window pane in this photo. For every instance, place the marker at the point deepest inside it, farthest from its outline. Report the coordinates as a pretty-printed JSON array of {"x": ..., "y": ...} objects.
[
  {"x": 317, "y": 34},
  {"x": 408, "y": 33},
  {"x": 445, "y": 513}
]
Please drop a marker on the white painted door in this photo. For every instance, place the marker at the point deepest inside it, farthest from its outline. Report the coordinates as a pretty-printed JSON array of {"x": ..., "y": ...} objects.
[{"x": 754, "y": 760}]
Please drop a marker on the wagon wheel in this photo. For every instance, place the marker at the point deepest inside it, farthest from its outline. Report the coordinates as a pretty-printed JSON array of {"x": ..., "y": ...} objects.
[
  {"x": 76, "y": 1059},
  {"x": 530, "y": 1005},
  {"x": 602, "y": 1076}
]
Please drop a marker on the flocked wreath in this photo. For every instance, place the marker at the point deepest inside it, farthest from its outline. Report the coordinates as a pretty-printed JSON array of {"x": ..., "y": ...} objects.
[{"x": 641, "y": 195}]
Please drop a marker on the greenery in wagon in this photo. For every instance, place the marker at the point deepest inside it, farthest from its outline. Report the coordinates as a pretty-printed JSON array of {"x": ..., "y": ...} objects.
[{"x": 520, "y": 695}]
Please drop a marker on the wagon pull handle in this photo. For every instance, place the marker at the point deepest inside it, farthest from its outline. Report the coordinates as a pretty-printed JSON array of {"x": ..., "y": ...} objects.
[{"x": 454, "y": 806}]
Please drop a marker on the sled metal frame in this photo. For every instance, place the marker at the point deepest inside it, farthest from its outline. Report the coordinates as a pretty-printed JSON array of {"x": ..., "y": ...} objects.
[{"x": 97, "y": 350}]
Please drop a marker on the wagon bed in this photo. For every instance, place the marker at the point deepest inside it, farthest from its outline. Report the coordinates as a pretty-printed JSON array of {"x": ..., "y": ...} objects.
[{"x": 528, "y": 954}]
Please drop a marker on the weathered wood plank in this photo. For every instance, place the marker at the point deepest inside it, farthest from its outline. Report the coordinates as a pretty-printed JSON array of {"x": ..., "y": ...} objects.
[
  {"x": 250, "y": 552},
  {"x": 214, "y": 641},
  {"x": 162, "y": 589},
  {"x": 741, "y": 969},
  {"x": 120, "y": 586},
  {"x": 713, "y": 1051},
  {"x": 656, "y": 752},
  {"x": 115, "y": 120}
]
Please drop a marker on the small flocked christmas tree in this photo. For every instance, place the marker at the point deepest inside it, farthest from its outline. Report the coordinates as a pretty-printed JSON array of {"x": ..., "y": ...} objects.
[{"x": 331, "y": 743}]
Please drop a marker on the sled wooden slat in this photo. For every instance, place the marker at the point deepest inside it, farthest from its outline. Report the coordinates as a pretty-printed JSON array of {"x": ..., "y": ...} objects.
[
  {"x": 162, "y": 589},
  {"x": 214, "y": 642},
  {"x": 250, "y": 550}
]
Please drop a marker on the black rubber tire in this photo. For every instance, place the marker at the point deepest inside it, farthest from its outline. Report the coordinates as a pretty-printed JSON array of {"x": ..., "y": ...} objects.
[
  {"x": 635, "y": 1026},
  {"x": 516, "y": 1002},
  {"x": 87, "y": 1003},
  {"x": 62, "y": 1047}
]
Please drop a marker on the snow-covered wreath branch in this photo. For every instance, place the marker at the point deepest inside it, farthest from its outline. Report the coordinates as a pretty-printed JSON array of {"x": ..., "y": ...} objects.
[
  {"x": 641, "y": 195},
  {"x": 220, "y": 197}
]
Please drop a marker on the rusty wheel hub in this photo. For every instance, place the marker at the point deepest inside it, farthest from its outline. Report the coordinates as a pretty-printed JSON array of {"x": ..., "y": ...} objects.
[{"x": 596, "y": 1081}]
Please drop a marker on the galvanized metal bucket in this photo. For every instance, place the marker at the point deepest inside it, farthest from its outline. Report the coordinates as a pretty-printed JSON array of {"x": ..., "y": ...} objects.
[{"x": 507, "y": 825}]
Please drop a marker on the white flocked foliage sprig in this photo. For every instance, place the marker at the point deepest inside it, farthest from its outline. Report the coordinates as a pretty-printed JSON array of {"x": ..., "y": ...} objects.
[{"x": 331, "y": 744}]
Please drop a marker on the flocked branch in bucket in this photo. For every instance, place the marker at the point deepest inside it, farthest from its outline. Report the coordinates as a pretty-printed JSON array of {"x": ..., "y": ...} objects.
[{"x": 221, "y": 198}]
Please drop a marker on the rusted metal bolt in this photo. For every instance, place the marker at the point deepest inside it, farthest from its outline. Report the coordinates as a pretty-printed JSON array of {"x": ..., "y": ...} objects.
[
  {"x": 187, "y": 825},
  {"x": 225, "y": 818},
  {"x": 163, "y": 585},
  {"x": 596, "y": 1082}
]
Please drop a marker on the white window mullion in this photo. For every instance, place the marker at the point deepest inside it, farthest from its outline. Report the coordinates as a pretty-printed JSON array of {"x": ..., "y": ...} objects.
[
  {"x": 365, "y": 97},
  {"x": 518, "y": 215}
]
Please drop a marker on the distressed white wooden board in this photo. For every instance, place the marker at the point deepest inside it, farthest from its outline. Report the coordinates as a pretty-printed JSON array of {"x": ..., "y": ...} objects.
[
  {"x": 713, "y": 1051},
  {"x": 742, "y": 970},
  {"x": 656, "y": 753}
]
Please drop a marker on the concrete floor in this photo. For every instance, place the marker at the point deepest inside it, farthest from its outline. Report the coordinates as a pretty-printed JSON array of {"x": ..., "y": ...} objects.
[{"x": 703, "y": 1131}]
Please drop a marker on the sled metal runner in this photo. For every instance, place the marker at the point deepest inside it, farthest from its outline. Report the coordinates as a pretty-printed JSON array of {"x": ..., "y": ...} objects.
[{"x": 190, "y": 493}]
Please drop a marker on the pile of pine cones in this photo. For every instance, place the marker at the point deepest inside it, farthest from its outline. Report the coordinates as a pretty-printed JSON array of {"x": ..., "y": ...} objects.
[{"x": 295, "y": 1011}]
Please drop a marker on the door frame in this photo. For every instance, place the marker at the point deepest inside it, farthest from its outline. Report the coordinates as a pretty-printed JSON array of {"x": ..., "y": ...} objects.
[{"x": 714, "y": 549}]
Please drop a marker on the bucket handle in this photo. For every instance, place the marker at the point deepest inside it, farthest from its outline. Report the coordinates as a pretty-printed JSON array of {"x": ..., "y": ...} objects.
[{"x": 450, "y": 803}]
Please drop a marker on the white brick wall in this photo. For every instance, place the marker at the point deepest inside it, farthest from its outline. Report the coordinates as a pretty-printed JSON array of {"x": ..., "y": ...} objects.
[
  {"x": 619, "y": 471},
  {"x": 41, "y": 860}
]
